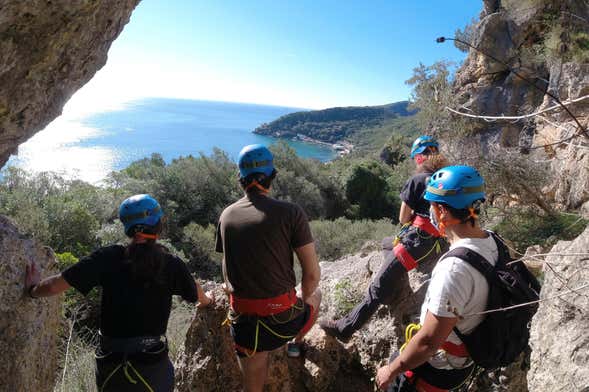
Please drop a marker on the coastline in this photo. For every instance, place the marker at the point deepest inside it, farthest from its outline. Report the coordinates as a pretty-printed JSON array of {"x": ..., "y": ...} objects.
[{"x": 342, "y": 147}]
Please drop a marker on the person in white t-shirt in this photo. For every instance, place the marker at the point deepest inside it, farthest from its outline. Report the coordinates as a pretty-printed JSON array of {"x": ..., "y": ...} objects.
[{"x": 435, "y": 359}]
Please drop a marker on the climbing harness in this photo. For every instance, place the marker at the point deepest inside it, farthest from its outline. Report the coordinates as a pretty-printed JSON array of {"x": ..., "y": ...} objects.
[
  {"x": 424, "y": 225},
  {"x": 264, "y": 313},
  {"x": 126, "y": 347},
  {"x": 264, "y": 306},
  {"x": 403, "y": 230},
  {"x": 408, "y": 261},
  {"x": 448, "y": 347}
]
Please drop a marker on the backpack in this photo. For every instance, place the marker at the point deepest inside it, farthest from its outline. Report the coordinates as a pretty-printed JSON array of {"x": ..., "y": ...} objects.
[{"x": 501, "y": 336}]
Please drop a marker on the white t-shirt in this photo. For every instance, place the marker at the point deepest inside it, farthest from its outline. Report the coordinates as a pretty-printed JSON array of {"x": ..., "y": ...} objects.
[{"x": 457, "y": 288}]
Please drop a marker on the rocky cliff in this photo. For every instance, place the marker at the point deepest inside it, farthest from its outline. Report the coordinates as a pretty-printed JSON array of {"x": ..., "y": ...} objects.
[
  {"x": 49, "y": 50},
  {"x": 547, "y": 42},
  {"x": 559, "y": 339},
  {"x": 28, "y": 328}
]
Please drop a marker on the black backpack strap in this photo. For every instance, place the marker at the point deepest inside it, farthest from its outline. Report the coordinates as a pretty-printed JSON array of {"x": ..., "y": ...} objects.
[
  {"x": 475, "y": 260},
  {"x": 479, "y": 263}
]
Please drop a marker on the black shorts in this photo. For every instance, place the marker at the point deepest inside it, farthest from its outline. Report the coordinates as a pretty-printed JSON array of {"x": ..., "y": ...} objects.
[{"x": 253, "y": 334}]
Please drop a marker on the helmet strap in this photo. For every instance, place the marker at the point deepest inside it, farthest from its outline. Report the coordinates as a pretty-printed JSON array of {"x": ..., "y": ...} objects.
[
  {"x": 257, "y": 185},
  {"x": 472, "y": 214},
  {"x": 420, "y": 158},
  {"x": 141, "y": 238},
  {"x": 444, "y": 223}
]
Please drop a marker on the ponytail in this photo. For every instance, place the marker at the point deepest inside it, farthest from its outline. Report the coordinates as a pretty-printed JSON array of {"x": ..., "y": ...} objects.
[{"x": 147, "y": 258}]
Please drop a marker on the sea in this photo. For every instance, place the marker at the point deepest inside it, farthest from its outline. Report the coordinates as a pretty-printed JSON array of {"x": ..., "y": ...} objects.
[{"x": 91, "y": 146}]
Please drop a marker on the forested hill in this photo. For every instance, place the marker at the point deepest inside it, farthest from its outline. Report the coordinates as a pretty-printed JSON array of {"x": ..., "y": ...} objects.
[{"x": 334, "y": 124}]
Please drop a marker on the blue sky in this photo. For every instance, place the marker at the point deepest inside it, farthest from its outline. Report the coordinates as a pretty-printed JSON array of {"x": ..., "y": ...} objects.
[{"x": 311, "y": 54}]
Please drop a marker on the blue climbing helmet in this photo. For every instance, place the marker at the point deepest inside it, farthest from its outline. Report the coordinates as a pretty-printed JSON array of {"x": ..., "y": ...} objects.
[
  {"x": 138, "y": 210},
  {"x": 255, "y": 158},
  {"x": 421, "y": 144},
  {"x": 457, "y": 186}
]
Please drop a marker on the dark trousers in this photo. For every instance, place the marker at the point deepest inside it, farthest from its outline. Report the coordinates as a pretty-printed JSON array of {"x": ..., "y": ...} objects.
[
  {"x": 112, "y": 376},
  {"x": 392, "y": 276}
]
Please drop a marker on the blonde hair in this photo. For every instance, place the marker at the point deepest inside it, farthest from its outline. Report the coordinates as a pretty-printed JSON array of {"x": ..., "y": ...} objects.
[{"x": 433, "y": 163}]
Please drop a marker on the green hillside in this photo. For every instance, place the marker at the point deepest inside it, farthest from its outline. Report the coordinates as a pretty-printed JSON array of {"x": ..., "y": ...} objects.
[{"x": 367, "y": 126}]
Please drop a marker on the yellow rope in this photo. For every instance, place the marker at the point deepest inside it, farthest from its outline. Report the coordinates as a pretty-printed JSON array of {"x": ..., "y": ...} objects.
[
  {"x": 409, "y": 332},
  {"x": 129, "y": 378},
  {"x": 274, "y": 332},
  {"x": 229, "y": 319},
  {"x": 139, "y": 376},
  {"x": 436, "y": 246},
  {"x": 110, "y": 376},
  {"x": 253, "y": 352}
]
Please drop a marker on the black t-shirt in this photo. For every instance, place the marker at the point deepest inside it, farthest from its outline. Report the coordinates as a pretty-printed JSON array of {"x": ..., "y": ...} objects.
[
  {"x": 129, "y": 307},
  {"x": 413, "y": 192}
]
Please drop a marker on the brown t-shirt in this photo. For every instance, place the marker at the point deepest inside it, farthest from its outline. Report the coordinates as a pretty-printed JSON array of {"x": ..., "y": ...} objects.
[{"x": 257, "y": 235}]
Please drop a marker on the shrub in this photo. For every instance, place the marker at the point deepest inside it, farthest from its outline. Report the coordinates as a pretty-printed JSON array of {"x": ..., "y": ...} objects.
[
  {"x": 340, "y": 237},
  {"x": 345, "y": 295},
  {"x": 308, "y": 183},
  {"x": 85, "y": 308},
  {"x": 199, "y": 244},
  {"x": 527, "y": 228},
  {"x": 368, "y": 188}
]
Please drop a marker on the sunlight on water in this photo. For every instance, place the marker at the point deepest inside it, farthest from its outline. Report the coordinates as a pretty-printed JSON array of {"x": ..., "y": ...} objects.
[
  {"x": 55, "y": 149},
  {"x": 89, "y": 144}
]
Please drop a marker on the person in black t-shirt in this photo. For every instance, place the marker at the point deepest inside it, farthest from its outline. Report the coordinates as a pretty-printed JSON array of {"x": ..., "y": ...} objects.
[
  {"x": 418, "y": 243},
  {"x": 138, "y": 282}
]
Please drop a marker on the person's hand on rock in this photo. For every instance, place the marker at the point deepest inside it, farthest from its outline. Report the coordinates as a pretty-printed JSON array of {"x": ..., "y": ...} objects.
[
  {"x": 209, "y": 299},
  {"x": 32, "y": 276},
  {"x": 384, "y": 376}
]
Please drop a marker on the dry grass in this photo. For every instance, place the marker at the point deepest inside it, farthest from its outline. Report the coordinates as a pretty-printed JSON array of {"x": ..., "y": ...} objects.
[{"x": 79, "y": 363}]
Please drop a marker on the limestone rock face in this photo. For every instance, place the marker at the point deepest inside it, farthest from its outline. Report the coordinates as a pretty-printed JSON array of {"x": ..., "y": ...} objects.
[
  {"x": 559, "y": 339},
  {"x": 28, "y": 327},
  {"x": 519, "y": 33},
  {"x": 570, "y": 161},
  {"x": 49, "y": 50}
]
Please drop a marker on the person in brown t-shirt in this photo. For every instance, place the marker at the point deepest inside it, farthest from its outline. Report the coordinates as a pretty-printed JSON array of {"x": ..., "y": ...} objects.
[{"x": 257, "y": 236}]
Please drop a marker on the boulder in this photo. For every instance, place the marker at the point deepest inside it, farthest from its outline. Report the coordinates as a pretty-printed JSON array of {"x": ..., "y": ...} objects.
[
  {"x": 559, "y": 339},
  {"x": 28, "y": 327}
]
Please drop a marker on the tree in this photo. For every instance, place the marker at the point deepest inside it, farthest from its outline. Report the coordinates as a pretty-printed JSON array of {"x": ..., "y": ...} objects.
[
  {"x": 467, "y": 35},
  {"x": 367, "y": 187},
  {"x": 432, "y": 93}
]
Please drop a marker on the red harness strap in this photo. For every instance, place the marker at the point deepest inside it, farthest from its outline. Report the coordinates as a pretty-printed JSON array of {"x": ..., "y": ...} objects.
[
  {"x": 404, "y": 257},
  {"x": 426, "y": 225},
  {"x": 264, "y": 306},
  {"x": 422, "y": 386},
  {"x": 458, "y": 350}
]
